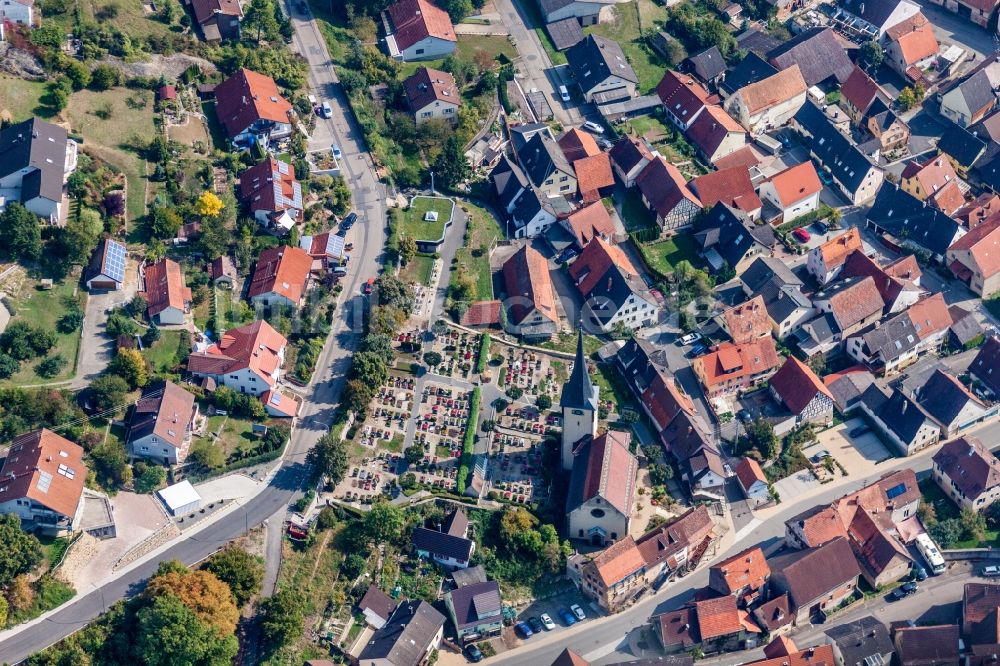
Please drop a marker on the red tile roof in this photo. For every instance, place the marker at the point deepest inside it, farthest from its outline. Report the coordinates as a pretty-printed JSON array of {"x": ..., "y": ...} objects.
[
  {"x": 664, "y": 542},
  {"x": 748, "y": 472},
  {"x": 165, "y": 287},
  {"x": 796, "y": 183},
  {"x": 970, "y": 465},
  {"x": 591, "y": 221},
  {"x": 207, "y": 10},
  {"x": 861, "y": 90},
  {"x": 594, "y": 261},
  {"x": 710, "y": 129},
  {"x": 949, "y": 198},
  {"x": 730, "y": 186},
  {"x": 717, "y": 617},
  {"x": 414, "y": 20},
  {"x": 663, "y": 187},
  {"x": 610, "y": 471},
  {"x": 681, "y": 95},
  {"x": 482, "y": 313},
  {"x": 856, "y": 302},
  {"x": 271, "y": 186},
  {"x": 569, "y": 658},
  {"x": 428, "y": 85},
  {"x": 576, "y": 145},
  {"x": 834, "y": 252},
  {"x": 797, "y": 385},
  {"x": 592, "y": 175},
  {"x": 46, "y": 468},
  {"x": 977, "y": 211},
  {"x": 745, "y": 157},
  {"x": 256, "y": 346},
  {"x": 930, "y": 315},
  {"x": 246, "y": 97},
  {"x": 932, "y": 174},
  {"x": 748, "y": 321},
  {"x": 678, "y": 628},
  {"x": 281, "y": 270},
  {"x": 221, "y": 266},
  {"x": 629, "y": 151},
  {"x": 821, "y": 655},
  {"x": 983, "y": 243},
  {"x": 775, "y": 89},
  {"x": 529, "y": 286},
  {"x": 166, "y": 414},
  {"x": 618, "y": 561},
  {"x": 730, "y": 361},
  {"x": 744, "y": 570},
  {"x": 915, "y": 36},
  {"x": 665, "y": 400},
  {"x": 889, "y": 286},
  {"x": 276, "y": 402}
]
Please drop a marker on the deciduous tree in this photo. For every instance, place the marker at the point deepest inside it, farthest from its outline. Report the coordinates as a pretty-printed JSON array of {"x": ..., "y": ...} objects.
[
  {"x": 238, "y": 569},
  {"x": 169, "y": 633},
  {"x": 209, "y": 598},
  {"x": 208, "y": 205},
  {"x": 20, "y": 551}
]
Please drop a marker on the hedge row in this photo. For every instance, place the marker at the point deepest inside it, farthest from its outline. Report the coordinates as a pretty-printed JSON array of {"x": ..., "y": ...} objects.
[
  {"x": 484, "y": 353},
  {"x": 468, "y": 446}
]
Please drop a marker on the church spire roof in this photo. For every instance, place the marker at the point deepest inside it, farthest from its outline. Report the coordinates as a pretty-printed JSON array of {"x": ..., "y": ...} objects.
[{"x": 579, "y": 392}]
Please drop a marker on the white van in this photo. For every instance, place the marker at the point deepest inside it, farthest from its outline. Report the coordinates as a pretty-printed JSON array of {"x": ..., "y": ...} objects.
[{"x": 563, "y": 93}]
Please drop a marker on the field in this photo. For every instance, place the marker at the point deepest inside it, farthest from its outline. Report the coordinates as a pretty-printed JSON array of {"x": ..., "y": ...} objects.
[
  {"x": 162, "y": 355},
  {"x": 114, "y": 138},
  {"x": 566, "y": 342},
  {"x": 413, "y": 224},
  {"x": 466, "y": 50},
  {"x": 236, "y": 433},
  {"x": 483, "y": 231},
  {"x": 631, "y": 20},
  {"x": 43, "y": 309},
  {"x": 22, "y": 99},
  {"x": 664, "y": 255},
  {"x": 418, "y": 271},
  {"x": 128, "y": 16}
]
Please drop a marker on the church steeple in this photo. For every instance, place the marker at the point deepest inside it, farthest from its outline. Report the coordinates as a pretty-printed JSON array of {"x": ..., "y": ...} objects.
[{"x": 578, "y": 392}]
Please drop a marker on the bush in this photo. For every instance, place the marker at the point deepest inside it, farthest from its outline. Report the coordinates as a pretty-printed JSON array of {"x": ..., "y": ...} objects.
[
  {"x": 468, "y": 445},
  {"x": 484, "y": 353},
  {"x": 147, "y": 478}
]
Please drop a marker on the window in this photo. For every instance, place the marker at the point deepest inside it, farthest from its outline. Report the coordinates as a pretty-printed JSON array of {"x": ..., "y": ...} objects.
[
  {"x": 419, "y": 51},
  {"x": 449, "y": 111},
  {"x": 426, "y": 114},
  {"x": 597, "y": 513}
]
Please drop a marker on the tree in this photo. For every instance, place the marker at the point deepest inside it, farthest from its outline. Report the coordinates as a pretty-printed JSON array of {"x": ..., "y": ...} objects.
[
  {"x": 166, "y": 222},
  {"x": 152, "y": 334},
  {"x": 384, "y": 523},
  {"x": 329, "y": 458},
  {"x": 208, "y": 205},
  {"x": 20, "y": 551},
  {"x": 691, "y": 282},
  {"x": 378, "y": 343},
  {"x": 71, "y": 320},
  {"x": 169, "y": 633},
  {"x": 353, "y": 566},
  {"x": 871, "y": 56},
  {"x": 432, "y": 358},
  {"x": 544, "y": 402},
  {"x": 109, "y": 463},
  {"x": 761, "y": 438},
  {"x": 209, "y": 598},
  {"x": 407, "y": 249},
  {"x": 130, "y": 365},
  {"x": 259, "y": 15},
  {"x": 207, "y": 455},
  {"x": 451, "y": 167},
  {"x": 281, "y": 618},
  {"x": 911, "y": 97},
  {"x": 369, "y": 368},
  {"x": 992, "y": 515},
  {"x": 103, "y": 77},
  {"x": 147, "y": 478},
  {"x": 47, "y": 35},
  {"x": 22, "y": 341},
  {"x": 8, "y": 365},
  {"x": 395, "y": 293},
  {"x": 948, "y": 533},
  {"x": 51, "y": 366},
  {"x": 414, "y": 454},
  {"x": 78, "y": 73},
  {"x": 20, "y": 232},
  {"x": 241, "y": 571},
  {"x": 119, "y": 323}
]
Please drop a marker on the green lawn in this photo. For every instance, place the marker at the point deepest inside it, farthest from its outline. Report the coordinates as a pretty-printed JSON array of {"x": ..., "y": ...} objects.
[
  {"x": 236, "y": 434},
  {"x": 631, "y": 19},
  {"x": 635, "y": 215},
  {"x": 53, "y": 549},
  {"x": 21, "y": 99},
  {"x": 535, "y": 21},
  {"x": 566, "y": 342},
  {"x": 413, "y": 223},
  {"x": 466, "y": 49},
  {"x": 946, "y": 509},
  {"x": 483, "y": 230},
  {"x": 44, "y": 309},
  {"x": 664, "y": 255},
  {"x": 419, "y": 270},
  {"x": 162, "y": 355},
  {"x": 128, "y": 16}
]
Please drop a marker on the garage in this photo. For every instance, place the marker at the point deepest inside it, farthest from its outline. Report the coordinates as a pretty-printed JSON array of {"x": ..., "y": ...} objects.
[{"x": 180, "y": 498}]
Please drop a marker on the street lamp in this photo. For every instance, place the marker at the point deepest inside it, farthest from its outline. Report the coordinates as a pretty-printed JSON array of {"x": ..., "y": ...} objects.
[{"x": 432, "y": 181}]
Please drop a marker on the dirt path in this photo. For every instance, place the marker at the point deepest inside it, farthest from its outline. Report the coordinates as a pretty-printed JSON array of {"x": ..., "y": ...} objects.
[{"x": 319, "y": 553}]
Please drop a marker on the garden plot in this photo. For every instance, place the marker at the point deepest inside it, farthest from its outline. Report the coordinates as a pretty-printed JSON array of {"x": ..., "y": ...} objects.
[
  {"x": 388, "y": 413},
  {"x": 459, "y": 351}
]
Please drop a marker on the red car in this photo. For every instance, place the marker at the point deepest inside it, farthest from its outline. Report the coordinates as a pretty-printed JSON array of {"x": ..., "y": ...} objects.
[
  {"x": 369, "y": 286},
  {"x": 801, "y": 234}
]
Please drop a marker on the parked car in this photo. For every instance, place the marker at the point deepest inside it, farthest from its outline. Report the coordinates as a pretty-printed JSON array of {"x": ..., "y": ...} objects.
[
  {"x": 990, "y": 571},
  {"x": 820, "y": 455},
  {"x": 904, "y": 590},
  {"x": 580, "y": 615},
  {"x": 567, "y": 254},
  {"x": 567, "y": 617},
  {"x": 474, "y": 654},
  {"x": 801, "y": 235},
  {"x": 591, "y": 126},
  {"x": 860, "y": 430},
  {"x": 697, "y": 350},
  {"x": 919, "y": 572},
  {"x": 825, "y": 177},
  {"x": 368, "y": 286},
  {"x": 547, "y": 622},
  {"x": 563, "y": 93},
  {"x": 690, "y": 338},
  {"x": 523, "y": 630},
  {"x": 744, "y": 415},
  {"x": 336, "y": 152},
  {"x": 349, "y": 221},
  {"x": 536, "y": 625},
  {"x": 325, "y": 110}
]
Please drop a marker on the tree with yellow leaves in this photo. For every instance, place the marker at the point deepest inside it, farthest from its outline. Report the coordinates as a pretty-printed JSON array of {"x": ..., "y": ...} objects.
[
  {"x": 209, "y": 598},
  {"x": 208, "y": 205}
]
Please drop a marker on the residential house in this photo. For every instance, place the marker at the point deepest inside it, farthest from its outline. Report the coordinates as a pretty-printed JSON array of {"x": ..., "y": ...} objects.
[
  {"x": 862, "y": 641},
  {"x": 419, "y": 30},
  {"x": 751, "y": 69},
  {"x": 106, "y": 270},
  {"x": 963, "y": 148},
  {"x": 707, "y": 65},
  {"x": 18, "y": 11},
  {"x": 753, "y": 482},
  {"x": 667, "y": 196},
  {"x": 978, "y": 211},
  {"x": 683, "y": 98},
  {"x": 794, "y": 192},
  {"x": 413, "y": 631},
  {"x": 326, "y": 248},
  {"x": 700, "y": 463},
  {"x": 590, "y": 222},
  {"x": 532, "y": 213},
  {"x": 818, "y": 579},
  {"x": 934, "y": 181},
  {"x": 898, "y": 341},
  {"x": 602, "y": 71},
  {"x": 168, "y": 300},
  {"x": 882, "y": 558},
  {"x": 280, "y": 277},
  {"x": 247, "y": 359},
  {"x": 222, "y": 272},
  {"x": 847, "y": 389},
  {"x": 565, "y": 32},
  {"x": 876, "y": 16},
  {"x": 475, "y": 611},
  {"x": 252, "y": 110},
  {"x": 629, "y": 156},
  {"x": 449, "y": 545},
  {"x": 709, "y": 625},
  {"x": 546, "y": 167},
  {"x": 586, "y": 12},
  {"x": 825, "y": 261},
  {"x": 716, "y": 135},
  {"x": 42, "y": 482},
  {"x": 36, "y": 159},
  {"x": 775, "y": 616},
  {"x": 911, "y": 46},
  {"x": 798, "y": 388},
  {"x": 769, "y": 103},
  {"x": 766, "y": 270},
  {"x": 730, "y": 368},
  {"x": 218, "y": 20},
  {"x": 888, "y": 129},
  {"x": 852, "y": 171},
  {"x": 968, "y": 473},
  {"x": 853, "y": 303},
  {"x": 898, "y": 283},
  {"x": 377, "y": 607},
  {"x": 781, "y": 291},
  {"x": 273, "y": 195},
  {"x": 859, "y": 94},
  {"x": 594, "y": 178},
  {"x": 530, "y": 298},
  {"x": 979, "y": 601},
  {"x": 788, "y": 654},
  {"x": 601, "y": 495},
  {"x": 279, "y": 405},
  {"x": 747, "y": 321},
  {"x": 969, "y": 99},
  {"x": 743, "y": 576},
  {"x": 726, "y": 237},
  {"x": 432, "y": 94},
  {"x": 732, "y": 187},
  {"x": 162, "y": 423},
  {"x": 978, "y": 11},
  {"x": 985, "y": 368},
  {"x": 678, "y": 544},
  {"x": 902, "y": 221},
  {"x": 965, "y": 331},
  {"x": 818, "y": 53},
  {"x": 975, "y": 258},
  {"x": 900, "y": 420},
  {"x": 927, "y": 645},
  {"x": 951, "y": 404},
  {"x": 509, "y": 182},
  {"x": 613, "y": 290},
  {"x": 577, "y": 145}
]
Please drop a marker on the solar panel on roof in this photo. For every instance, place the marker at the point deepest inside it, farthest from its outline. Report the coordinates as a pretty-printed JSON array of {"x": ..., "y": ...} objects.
[{"x": 114, "y": 261}]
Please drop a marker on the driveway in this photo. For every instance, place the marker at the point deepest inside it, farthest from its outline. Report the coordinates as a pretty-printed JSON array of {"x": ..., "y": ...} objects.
[{"x": 96, "y": 348}]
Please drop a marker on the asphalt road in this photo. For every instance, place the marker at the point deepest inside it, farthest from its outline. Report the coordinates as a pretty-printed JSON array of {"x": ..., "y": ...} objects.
[{"x": 322, "y": 396}]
